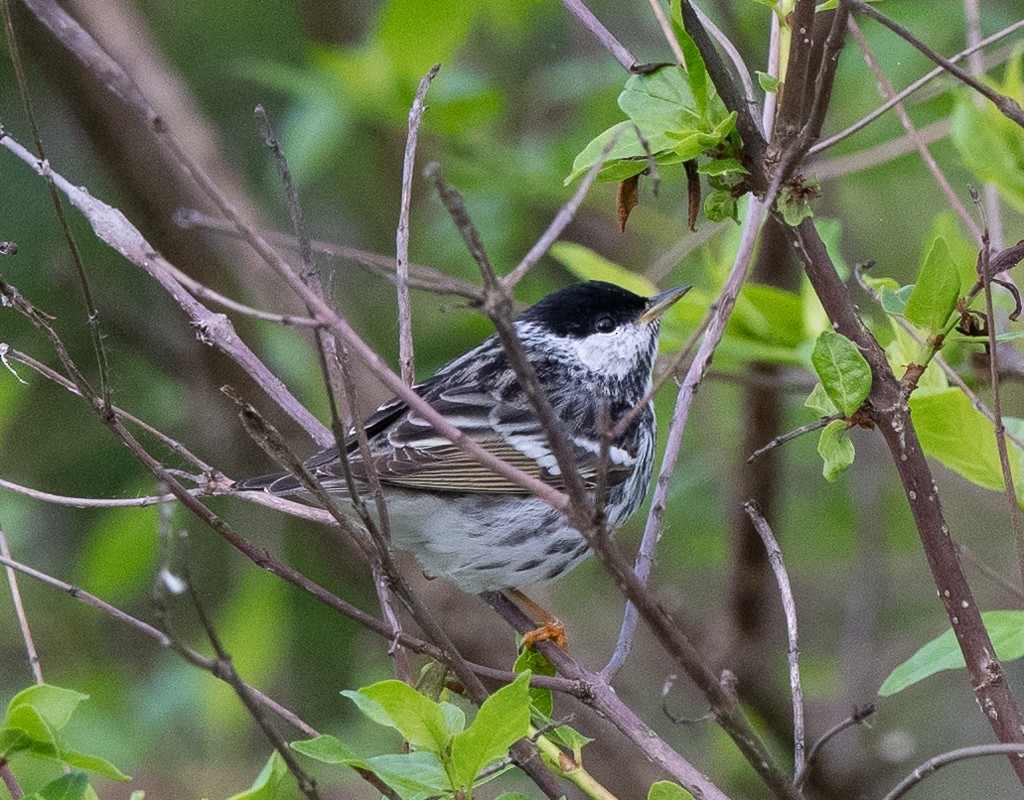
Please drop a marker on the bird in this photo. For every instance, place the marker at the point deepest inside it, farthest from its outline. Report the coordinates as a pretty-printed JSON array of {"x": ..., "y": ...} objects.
[{"x": 593, "y": 346}]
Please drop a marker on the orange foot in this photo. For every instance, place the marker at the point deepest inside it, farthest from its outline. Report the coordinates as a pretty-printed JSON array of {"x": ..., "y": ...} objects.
[
  {"x": 551, "y": 628},
  {"x": 551, "y": 631}
]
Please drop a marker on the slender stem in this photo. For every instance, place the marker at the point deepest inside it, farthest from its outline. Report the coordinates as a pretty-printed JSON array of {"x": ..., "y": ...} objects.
[
  {"x": 1009, "y": 107},
  {"x": 856, "y": 718},
  {"x": 755, "y": 216},
  {"x": 1009, "y": 491},
  {"x": 601, "y": 33},
  {"x": 932, "y": 764},
  {"x": 19, "y": 611},
  {"x": 771, "y": 545},
  {"x": 406, "y": 357},
  {"x": 886, "y": 87},
  {"x": 824, "y": 144}
]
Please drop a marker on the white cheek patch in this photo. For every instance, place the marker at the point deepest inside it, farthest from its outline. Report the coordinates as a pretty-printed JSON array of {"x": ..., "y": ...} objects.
[{"x": 613, "y": 354}]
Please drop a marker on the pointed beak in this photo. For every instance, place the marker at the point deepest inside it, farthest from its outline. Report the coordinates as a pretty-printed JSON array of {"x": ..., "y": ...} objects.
[{"x": 660, "y": 303}]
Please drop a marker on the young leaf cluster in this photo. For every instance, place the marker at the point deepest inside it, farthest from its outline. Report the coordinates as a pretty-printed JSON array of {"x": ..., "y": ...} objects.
[
  {"x": 674, "y": 116},
  {"x": 33, "y": 726},
  {"x": 445, "y": 758}
]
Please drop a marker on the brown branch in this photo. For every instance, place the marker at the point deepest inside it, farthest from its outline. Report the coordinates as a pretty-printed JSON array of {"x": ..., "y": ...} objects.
[
  {"x": 1009, "y": 491},
  {"x": 771, "y": 545},
  {"x": 932, "y": 764},
  {"x": 901, "y": 95},
  {"x": 19, "y": 611},
  {"x": 886, "y": 87},
  {"x": 405, "y": 346},
  {"x": 1007, "y": 106},
  {"x": 891, "y": 414}
]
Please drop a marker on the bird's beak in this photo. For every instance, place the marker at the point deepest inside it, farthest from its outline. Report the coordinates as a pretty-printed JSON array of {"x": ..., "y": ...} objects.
[{"x": 660, "y": 303}]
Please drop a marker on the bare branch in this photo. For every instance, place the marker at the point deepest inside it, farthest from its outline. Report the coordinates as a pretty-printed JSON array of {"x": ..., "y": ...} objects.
[
  {"x": 695, "y": 375},
  {"x": 405, "y": 346},
  {"x": 858, "y": 717},
  {"x": 579, "y": 9},
  {"x": 932, "y": 764},
  {"x": 1009, "y": 107},
  {"x": 793, "y": 434},
  {"x": 88, "y": 502},
  {"x": 1009, "y": 491},
  {"x": 19, "y": 611},
  {"x": 902, "y": 95},
  {"x": 771, "y": 545},
  {"x": 888, "y": 91}
]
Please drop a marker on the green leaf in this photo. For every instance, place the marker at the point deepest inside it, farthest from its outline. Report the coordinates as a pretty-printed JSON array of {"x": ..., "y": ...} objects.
[
  {"x": 720, "y": 205},
  {"x": 844, "y": 372},
  {"x": 503, "y": 719},
  {"x": 963, "y": 252},
  {"x": 268, "y": 783},
  {"x": 415, "y": 776},
  {"x": 138, "y": 794},
  {"x": 569, "y": 737},
  {"x": 953, "y": 431},
  {"x": 513, "y": 796},
  {"x": 990, "y": 143},
  {"x": 936, "y": 290},
  {"x": 94, "y": 764},
  {"x": 72, "y": 786},
  {"x": 1005, "y": 628},
  {"x": 836, "y": 449},
  {"x": 795, "y": 202},
  {"x": 396, "y": 704},
  {"x": 894, "y": 301},
  {"x": 769, "y": 83},
  {"x": 53, "y": 703},
  {"x": 535, "y": 662},
  {"x": 666, "y": 790},
  {"x": 696, "y": 72},
  {"x": 326, "y": 749},
  {"x": 27, "y": 730},
  {"x": 819, "y": 402},
  {"x": 722, "y": 166}
]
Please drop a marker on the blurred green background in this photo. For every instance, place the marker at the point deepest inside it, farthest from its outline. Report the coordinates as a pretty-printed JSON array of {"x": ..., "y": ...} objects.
[{"x": 522, "y": 88}]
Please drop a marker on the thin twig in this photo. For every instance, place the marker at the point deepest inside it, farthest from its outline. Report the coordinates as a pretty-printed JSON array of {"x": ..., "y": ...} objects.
[
  {"x": 406, "y": 358},
  {"x": 771, "y": 545},
  {"x": 1007, "y": 106},
  {"x": 932, "y": 764},
  {"x": 89, "y": 502},
  {"x": 972, "y": 16},
  {"x": 694, "y": 376},
  {"x": 1009, "y": 492},
  {"x": 215, "y": 477},
  {"x": 968, "y": 554},
  {"x": 824, "y": 144},
  {"x": 420, "y": 277},
  {"x": 886, "y": 87},
  {"x": 498, "y": 307},
  {"x": 858, "y": 717},
  {"x": 230, "y": 675},
  {"x": 92, "y": 312},
  {"x": 793, "y": 434},
  {"x": 114, "y": 229},
  {"x": 19, "y": 611},
  {"x": 560, "y": 221},
  {"x": 602, "y": 34}
]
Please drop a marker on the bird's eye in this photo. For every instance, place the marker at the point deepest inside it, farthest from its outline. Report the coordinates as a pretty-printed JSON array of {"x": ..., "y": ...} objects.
[{"x": 604, "y": 324}]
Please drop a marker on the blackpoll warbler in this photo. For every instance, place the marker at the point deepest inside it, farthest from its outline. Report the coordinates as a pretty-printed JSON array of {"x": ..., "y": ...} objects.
[{"x": 593, "y": 347}]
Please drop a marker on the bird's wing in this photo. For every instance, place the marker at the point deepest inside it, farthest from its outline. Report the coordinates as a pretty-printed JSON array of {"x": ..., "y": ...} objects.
[{"x": 407, "y": 452}]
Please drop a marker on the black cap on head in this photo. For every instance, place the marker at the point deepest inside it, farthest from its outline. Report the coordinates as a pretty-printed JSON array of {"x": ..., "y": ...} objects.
[{"x": 575, "y": 310}]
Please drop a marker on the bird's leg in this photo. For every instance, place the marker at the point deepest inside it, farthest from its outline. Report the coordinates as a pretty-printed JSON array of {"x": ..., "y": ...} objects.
[{"x": 551, "y": 628}]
